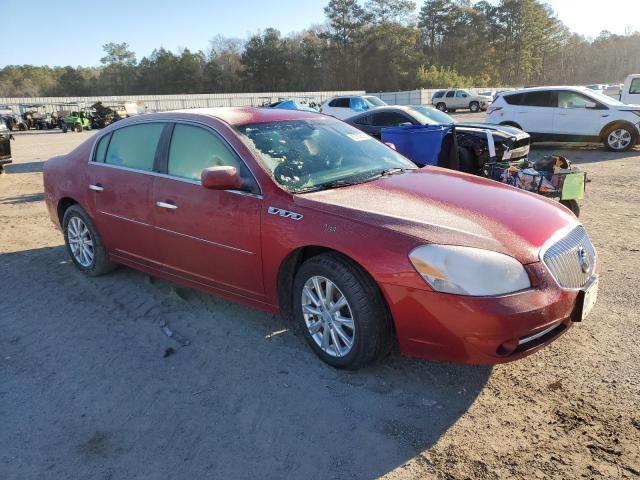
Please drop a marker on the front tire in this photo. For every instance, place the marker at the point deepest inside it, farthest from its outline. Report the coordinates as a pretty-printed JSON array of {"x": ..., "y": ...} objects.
[
  {"x": 341, "y": 312},
  {"x": 620, "y": 138},
  {"x": 84, "y": 245},
  {"x": 474, "y": 107}
]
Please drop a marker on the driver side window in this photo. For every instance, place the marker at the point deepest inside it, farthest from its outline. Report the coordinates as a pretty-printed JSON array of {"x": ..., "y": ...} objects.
[
  {"x": 194, "y": 148},
  {"x": 573, "y": 100}
]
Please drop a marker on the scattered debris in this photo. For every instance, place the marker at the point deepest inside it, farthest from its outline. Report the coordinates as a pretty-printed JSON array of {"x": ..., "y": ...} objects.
[
  {"x": 168, "y": 352},
  {"x": 173, "y": 334},
  {"x": 555, "y": 386}
]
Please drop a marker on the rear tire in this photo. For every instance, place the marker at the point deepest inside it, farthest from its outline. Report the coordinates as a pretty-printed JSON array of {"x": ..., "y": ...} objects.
[
  {"x": 84, "y": 244},
  {"x": 467, "y": 161},
  {"x": 78, "y": 128},
  {"x": 370, "y": 335},
  {"x": 441, "y": 106},
  {"x": 474, "y": 107},
  {"x": 572, "y": 205}
]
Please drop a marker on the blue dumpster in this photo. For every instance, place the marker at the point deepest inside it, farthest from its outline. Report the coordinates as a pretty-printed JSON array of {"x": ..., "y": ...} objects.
[{"x": 419, "y": 143}]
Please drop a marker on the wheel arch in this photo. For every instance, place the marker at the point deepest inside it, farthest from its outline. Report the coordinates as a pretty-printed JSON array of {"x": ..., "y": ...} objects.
[
  {"x": 616, "y": 123},
  {"x": 511, "y": 124},
  {"x": 291, "y": 264},
  {"x": 63, "y": 205}
]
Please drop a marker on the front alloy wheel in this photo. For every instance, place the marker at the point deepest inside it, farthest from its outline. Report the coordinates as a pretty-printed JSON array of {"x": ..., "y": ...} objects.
[
  {"x": 80, "y": 242},
  {"x": 620, "y": 139},
  {"x": 328, "y": 316}
]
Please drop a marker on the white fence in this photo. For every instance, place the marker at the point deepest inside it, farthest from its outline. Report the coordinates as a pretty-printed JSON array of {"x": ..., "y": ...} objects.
[{"x": 158, "y": 103}]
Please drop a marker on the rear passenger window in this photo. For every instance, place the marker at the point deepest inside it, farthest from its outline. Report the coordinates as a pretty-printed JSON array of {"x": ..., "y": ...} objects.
[
  {"x": 340, "y": 103},
  {"x": 450, "y": 94},
  {"x": 193, "y": 149},
  {"x": 515, "y": 99},
  {"x": 438, "y": 94},
  {"x": 101, "y": 149},
  {"x": 389, "y": 119},
  {"x": 540, "y": 99},
  {"x": 135, "y": 146}
]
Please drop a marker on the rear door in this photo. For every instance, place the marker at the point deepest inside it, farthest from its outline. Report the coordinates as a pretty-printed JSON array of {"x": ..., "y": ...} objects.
[
  {"x": 450, "y": 99},
  {"x": 121, "y": 177},
  {"x": 208, "y": 236},
  {"x": 535, "y": 113},
  {"x": 573, "y": 118}
]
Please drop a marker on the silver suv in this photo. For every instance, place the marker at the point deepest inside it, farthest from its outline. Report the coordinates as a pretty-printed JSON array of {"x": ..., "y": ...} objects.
[{"x": 454, "y": 99}]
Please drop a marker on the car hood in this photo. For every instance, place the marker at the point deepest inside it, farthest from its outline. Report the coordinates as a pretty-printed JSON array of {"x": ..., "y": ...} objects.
[
  {"x": 441, "y": 206},
  {"x": 628, "y": 108},
  {"x": 500, "y": 129}
]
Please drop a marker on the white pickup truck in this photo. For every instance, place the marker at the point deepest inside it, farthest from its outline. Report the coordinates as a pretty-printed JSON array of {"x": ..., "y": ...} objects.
[{"x": 630, "y": 93}]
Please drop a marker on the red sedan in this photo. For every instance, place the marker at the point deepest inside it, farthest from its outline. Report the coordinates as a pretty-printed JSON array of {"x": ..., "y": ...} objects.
[{"x": 301, "y": 214}]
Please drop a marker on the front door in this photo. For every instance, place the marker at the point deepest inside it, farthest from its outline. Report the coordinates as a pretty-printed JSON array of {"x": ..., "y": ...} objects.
[
  {"x": 121, "y": 180},
  {"x": 535, "y": 114},
  {"x": 208, "y": 236},
  {"x": 572, "y": 117}
]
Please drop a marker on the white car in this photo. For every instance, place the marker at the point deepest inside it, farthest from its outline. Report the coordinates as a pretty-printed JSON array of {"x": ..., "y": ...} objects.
[
  {"x": 345, "y": 106},
  {"x": 568, "y": 114},
  {"x": 630, "y": 90}
]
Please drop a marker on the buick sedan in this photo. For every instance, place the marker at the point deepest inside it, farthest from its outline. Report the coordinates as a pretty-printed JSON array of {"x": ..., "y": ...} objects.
[{"x": 301, "y": 214}]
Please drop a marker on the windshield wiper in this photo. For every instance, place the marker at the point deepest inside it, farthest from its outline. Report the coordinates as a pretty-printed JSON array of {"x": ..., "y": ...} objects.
[{"x": 345, "y": 182}]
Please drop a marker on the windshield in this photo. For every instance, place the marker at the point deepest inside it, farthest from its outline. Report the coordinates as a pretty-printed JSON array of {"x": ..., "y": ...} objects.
[
  {"x": 374, "y": 101},
  {"x": 432, "y": 116},
  {"x": 307, "y": 155},
  {"x": 604, "y": 98}
]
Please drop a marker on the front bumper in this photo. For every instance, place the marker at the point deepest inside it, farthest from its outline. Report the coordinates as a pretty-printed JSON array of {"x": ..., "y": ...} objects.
[{"x": 480, "y": 330}]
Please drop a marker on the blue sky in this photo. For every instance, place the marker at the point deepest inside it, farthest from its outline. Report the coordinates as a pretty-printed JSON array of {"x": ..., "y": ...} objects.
[{"x": 148, "y": 24}]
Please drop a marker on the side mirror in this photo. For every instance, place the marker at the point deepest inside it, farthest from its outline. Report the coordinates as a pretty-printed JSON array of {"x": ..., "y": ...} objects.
[
  {"x": 591, "y": 105},
  {"x": 221, "y": 178}
]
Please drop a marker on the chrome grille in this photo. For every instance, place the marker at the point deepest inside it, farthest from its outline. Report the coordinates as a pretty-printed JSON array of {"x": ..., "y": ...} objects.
[{"x": 568, "y": 259}]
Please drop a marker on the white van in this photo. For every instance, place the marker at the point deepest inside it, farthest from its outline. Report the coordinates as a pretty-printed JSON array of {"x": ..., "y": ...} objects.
[{"x": 630, "y": 93}]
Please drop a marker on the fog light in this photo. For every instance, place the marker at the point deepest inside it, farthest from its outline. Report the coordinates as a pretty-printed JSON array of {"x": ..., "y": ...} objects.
[{"x": 507, "y": 348}]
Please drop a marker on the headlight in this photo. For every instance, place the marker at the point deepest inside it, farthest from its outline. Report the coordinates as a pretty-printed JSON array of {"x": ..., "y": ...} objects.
[{"x": 469, "y": 271}]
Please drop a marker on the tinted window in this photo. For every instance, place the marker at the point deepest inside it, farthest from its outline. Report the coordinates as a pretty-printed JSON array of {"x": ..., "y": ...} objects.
[
  {"x": 438, "y": 94},
  {"x": 539, "y": 99},
  {"x": 461, "y": 94},
  {"x": 389, "y": 119},
  {"x": 363, "y": 120},
  {"x": 101, "y": 149},
  {"x": 135, "y": 146},
  {"x": 515, "y": 99},
  {"x": 634, "y": 89},
  {"x": 193, "y": 149},
  {"x": 450, "y": 94},
  {"x": 573, "y": 100},
  {"x": 340, "y": 103}
]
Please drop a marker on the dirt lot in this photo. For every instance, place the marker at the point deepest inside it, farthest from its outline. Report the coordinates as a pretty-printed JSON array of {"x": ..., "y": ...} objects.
[{"x": 87, "y": 389}]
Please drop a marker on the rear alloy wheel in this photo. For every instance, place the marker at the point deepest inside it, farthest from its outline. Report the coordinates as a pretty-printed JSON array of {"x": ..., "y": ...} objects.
[
  {"x": 341, "y": 312},
  {"x": 84, "y": 244},
  {"x": 442, "y": 107},
  {"x": 474, "y": 107},
  {"x": 620, "y": 138}
]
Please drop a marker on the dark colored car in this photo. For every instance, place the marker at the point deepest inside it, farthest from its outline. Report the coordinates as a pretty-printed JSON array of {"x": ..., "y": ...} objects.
[
  {"x": 301, "y": 214},
  {"x": 5, "y": 146},
  {"x": 474, "y": 141}
]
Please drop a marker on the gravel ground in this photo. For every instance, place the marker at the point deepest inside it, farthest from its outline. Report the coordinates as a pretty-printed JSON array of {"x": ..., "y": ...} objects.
[{"x": 90, "y": 387}]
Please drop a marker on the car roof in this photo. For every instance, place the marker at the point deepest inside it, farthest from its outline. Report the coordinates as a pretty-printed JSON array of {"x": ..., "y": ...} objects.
[
  {"x": 544, "y": 89},
  {"x": 237, "y": 116}
]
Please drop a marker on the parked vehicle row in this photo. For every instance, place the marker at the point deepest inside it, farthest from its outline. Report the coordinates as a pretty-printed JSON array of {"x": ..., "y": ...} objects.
[{"x": 270, "y": 206}]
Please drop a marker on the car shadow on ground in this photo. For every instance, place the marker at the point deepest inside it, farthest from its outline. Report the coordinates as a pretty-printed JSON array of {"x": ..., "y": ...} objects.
[
  {"x": 96, "y": 387},
  {"x": 27, "y": 167},
  {"x": 580, "y": 152},
  {"x": 27, "y": 198}
]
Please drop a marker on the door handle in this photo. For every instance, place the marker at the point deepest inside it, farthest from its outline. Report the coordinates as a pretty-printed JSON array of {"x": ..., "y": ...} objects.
[
  {"x": 168, "y": 206},
  {"x": 96, "y": 188}
]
